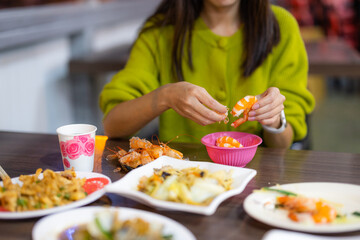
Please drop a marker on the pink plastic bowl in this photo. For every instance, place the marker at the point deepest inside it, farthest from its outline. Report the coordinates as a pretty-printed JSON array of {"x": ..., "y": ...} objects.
[{"x": 232, "y": 156}]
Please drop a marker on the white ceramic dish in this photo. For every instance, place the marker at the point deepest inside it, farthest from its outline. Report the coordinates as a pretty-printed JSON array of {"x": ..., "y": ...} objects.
[
  {"x": 276, "y": 234},
  {"x": 49, "y": 228},
  {"x": 127, "y": 186},
  {"x": 38, "y": 213},
  {"x": 345, "y": 195}
]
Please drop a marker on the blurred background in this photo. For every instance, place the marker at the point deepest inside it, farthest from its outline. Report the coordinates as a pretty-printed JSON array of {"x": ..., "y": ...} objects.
[{"x": 56, "y": 55}]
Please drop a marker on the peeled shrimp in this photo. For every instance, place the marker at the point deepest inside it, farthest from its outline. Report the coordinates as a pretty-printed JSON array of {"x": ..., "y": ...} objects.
[
  {"x": 244, "y": 106},
  {"x": 229, "y": 142},
  {"x": 320, "y": 211}
]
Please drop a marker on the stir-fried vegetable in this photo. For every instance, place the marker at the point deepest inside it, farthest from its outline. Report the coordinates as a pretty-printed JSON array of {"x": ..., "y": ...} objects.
[
  {"x": 106, "y": 225},
  {"x": 191, "y": 185}
]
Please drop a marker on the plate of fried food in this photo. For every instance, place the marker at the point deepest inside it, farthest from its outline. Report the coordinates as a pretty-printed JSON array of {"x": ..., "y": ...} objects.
[
  {"x": 316, "y": 207},
  {"x": 47, "y": 192},
  {"x": 109, "y": 223},
  {"x": 141, "y": 152},
  {"x": 178, "y": 185}
]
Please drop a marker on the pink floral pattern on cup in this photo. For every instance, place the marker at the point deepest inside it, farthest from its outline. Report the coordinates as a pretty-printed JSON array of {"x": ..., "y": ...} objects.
[
  {"x": 83, "y": 138},
  {"x": 89, "y": 147},
  {"x": 66, "y": 163},
  {"x": 79, "y": 145},
  {"x": 62, "y": 148}
]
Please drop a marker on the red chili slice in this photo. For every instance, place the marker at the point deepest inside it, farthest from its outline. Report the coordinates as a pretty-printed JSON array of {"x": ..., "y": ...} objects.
[
  {"x": 93, "y": 184},
  {"x": 2, "y": 209}
]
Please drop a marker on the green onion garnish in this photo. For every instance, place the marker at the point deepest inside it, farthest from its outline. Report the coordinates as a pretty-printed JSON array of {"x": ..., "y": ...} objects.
[
  {"x": 21, "y": 202},
  {"x": 356, "y": 214},
  {"x": 279, "y": 191},
  {"x": 102, "y": 230}
]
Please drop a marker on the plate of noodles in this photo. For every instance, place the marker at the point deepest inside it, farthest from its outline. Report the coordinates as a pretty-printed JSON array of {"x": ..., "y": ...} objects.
[
  {"x": 47, "y": 192},
  {"x": 178, "y": 185},
  {"x": 109, "y": 223}
]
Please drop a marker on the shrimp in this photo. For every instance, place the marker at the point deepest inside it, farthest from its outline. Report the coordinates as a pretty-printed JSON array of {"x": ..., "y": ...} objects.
[
  {"x": 141, "y": 152},
  {"x": 136, "y": 143},
  {"x": 156, "y": 151},
  {"x": 117, "y": 154},
  {"x": 229, "y": 142},
  {"x": 244, "y": 106},
  {"x": 297, "y": 204},
  {"x": 173, "y": 153},
  {"x": 163, "y": 150},
  {"x": 320, "y": 211},
  {"x": 132, "y": 159},
  {"x": 226, "y": 119}
]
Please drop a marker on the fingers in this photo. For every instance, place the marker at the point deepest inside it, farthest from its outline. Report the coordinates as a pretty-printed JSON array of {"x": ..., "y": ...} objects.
[
  {"x": 267, "y": 109},
  {"x": 206, "y": 99},
  {"x": 193, "y": 102}
]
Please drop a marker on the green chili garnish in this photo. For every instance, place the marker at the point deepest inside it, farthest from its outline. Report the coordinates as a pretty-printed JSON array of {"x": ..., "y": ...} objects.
[
  {"x": 356, "y": 213},
  {"x": 21, "y": 202},
  {"x": 102, "y": 230},
  {"x": 279, "y": 191},
  {"x": 67, "y": 196},
  {"x": 167, "y": 237},
  {"x": 37, "y": 205}
]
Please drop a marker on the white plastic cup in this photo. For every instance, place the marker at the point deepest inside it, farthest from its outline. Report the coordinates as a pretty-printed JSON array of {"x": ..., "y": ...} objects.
[{"x": 77, "y": 146}]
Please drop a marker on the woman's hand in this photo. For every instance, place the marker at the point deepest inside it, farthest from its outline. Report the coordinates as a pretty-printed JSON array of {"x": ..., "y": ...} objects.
[
  {"x": 267, "y": 109},
  {"x": 267, "y": 112},
  {"x": 193, "y": 102}
]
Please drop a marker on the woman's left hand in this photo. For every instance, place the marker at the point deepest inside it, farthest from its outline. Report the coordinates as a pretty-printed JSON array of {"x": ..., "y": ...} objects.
[{"x": 268, "y": 107}]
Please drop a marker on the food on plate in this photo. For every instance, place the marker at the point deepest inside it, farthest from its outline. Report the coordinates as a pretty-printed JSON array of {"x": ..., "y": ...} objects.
[
  {"x": 300, "y": 208},
  {"x": 228, "y": 142},
  {"x": 106, "y": 225},
  {"x": 190, "y": 185},
  {"x": 243, "y": 106},
  {"x": 142, "y": 152},
  {"x": 319, "y": 210},
  {"x": 53, "y": 189}
]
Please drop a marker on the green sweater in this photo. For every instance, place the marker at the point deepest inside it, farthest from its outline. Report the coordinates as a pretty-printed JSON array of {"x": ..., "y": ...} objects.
[{"x": 217, "y": 63}]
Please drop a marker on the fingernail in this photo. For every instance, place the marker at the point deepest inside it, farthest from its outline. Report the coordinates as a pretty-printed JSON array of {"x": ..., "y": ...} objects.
[
  {"x": 252, "y": 113},
  {"x": 251, "y": 118},
  {"x": 255, "y": 106}
]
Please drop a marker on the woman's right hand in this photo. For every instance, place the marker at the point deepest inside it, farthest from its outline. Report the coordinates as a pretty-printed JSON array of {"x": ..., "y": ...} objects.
[{"x": 193, "y": 102}]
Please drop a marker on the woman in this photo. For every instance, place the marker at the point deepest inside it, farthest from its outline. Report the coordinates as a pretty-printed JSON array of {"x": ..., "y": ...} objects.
[{"x": 193, "y": 59}]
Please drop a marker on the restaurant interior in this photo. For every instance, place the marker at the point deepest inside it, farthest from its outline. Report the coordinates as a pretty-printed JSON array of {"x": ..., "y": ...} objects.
[
  {"x": 57, "y": 55},
  {"x": 57, "y": 59}
]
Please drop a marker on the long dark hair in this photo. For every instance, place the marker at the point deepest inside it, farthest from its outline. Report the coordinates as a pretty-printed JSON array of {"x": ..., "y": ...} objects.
[{"x": 261, "y": 30}]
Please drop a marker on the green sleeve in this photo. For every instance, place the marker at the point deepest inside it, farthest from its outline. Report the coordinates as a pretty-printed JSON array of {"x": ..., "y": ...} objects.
[
  {"x": 138, "y": 78},
  {"x": 290, "y": 71}
]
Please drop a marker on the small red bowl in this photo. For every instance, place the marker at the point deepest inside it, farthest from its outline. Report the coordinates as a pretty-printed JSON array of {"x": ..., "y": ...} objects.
[{"x": 232, "y": 156}]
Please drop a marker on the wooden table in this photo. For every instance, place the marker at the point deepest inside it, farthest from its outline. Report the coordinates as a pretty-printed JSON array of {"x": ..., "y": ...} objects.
[{"x": 23, "y": 153}]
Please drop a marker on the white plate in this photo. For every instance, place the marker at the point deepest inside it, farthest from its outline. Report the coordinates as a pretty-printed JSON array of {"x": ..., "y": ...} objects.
[
  {"x": 276, "y": 234},
  {"x": 49, "y": 228},
  {"x": 347, "y": 195},
  {"x": 127, "y": 186},
  {"x": 38, "y": 213}
]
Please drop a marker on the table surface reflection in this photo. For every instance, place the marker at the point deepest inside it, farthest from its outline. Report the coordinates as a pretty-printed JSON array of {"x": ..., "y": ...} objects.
[{"x": 23, "y": 153}]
